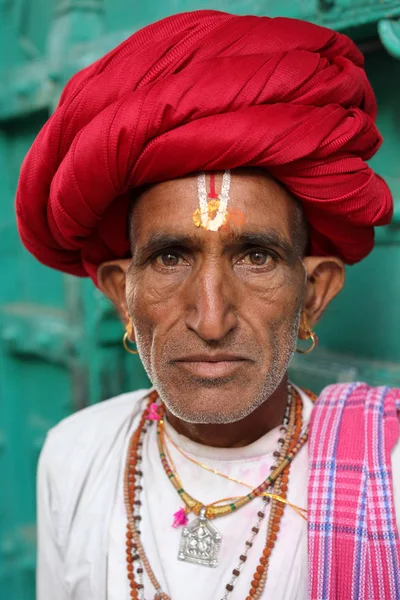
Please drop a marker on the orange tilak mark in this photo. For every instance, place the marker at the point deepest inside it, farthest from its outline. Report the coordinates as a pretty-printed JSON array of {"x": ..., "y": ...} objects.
[{"x": 234, "y": 218}]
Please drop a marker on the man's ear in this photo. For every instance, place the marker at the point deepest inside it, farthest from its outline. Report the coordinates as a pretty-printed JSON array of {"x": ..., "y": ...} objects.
[
  {"x": 111, "y": 277},
  {"x": 325, "y": 279}
]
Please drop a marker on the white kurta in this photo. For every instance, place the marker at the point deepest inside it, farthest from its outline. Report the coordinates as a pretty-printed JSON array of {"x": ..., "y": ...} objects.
[{"x": 82, "y": 522}]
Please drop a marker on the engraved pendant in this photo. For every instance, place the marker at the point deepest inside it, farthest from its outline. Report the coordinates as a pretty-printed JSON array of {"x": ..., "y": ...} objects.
[{"x": 200, "y": 542}]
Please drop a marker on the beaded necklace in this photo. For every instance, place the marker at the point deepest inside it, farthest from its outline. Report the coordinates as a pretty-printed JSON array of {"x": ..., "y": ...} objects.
[
  {"x": 136, "y": 555},
  {"x": 288, "y": 429},
  {"x": 277, "y": 509},
  {"x": 132, "y": 478}
]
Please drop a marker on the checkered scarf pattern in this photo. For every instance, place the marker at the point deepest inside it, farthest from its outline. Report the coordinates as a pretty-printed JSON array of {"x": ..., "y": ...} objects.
[{"x": 353, "y": 540}]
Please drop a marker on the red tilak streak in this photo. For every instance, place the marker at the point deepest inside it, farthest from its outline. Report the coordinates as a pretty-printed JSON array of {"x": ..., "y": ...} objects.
[{"x": 213, "y": 193}]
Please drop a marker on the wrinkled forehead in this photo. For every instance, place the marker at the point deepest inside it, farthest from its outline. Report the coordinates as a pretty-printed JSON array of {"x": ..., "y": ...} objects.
[{"x": 256, "y": 203}]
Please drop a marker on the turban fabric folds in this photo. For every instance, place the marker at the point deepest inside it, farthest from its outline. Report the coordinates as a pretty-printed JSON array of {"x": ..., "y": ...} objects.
[{"x": 206, "y": 91}]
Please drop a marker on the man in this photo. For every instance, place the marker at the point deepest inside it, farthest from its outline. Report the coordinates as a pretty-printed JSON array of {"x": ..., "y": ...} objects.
[{"x": 209, "y": 175}]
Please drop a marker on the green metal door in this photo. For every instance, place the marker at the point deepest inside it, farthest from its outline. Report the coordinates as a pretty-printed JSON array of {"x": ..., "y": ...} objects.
[{"x": 60, "y": 343}]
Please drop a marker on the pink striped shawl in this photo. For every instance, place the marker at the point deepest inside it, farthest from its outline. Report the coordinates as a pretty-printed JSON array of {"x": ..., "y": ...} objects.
[{"x": 353, "y": 541}]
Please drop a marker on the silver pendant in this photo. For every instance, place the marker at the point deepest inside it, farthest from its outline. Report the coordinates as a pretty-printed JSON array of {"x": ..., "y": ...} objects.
[{"x": 200, "y": 542}]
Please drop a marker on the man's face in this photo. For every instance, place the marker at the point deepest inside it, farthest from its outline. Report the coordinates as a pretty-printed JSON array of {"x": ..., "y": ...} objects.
[{"x": 215, "y": 313}]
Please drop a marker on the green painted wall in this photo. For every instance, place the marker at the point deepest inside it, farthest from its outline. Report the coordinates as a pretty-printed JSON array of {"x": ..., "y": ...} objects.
[{"x": 60, "y": 343}]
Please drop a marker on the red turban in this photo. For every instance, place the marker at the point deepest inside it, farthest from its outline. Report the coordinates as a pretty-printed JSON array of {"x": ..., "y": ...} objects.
[{"x": 206, "y": 91}]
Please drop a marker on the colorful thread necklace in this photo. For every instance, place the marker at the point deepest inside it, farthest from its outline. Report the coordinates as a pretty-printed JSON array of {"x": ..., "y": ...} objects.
[
  {"x": 180, "y": 516},
  {"x": 136, "y": 556},
  {"x": 211, "y": 511}
]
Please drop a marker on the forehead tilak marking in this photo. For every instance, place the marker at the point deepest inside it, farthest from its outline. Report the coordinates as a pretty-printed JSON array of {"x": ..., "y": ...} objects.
[{"x": 212, "y": 214}]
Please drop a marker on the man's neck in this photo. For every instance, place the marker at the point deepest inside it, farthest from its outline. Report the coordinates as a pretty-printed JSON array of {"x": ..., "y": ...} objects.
[{"x": 240, "y": 433}]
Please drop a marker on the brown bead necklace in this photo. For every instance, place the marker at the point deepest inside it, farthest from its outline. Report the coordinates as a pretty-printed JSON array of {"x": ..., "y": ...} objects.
[
  {"x": 277, "y": 510},
  {"x": 132, "y": 479}
]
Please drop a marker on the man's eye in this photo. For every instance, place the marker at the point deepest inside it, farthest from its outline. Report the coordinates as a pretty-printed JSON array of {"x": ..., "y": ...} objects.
[
  {"x": 168, "y": 259},
  {"x": 257, "y": 258}
]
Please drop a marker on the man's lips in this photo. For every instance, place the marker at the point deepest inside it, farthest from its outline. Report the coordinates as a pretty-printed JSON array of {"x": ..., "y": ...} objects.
[
  {"x": 211, "y": 365},
  {"x": 208, "y": 357}
]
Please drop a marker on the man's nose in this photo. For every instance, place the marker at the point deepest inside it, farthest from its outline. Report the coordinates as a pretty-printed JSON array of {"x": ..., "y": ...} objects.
[{"x": 211, "y": 306}]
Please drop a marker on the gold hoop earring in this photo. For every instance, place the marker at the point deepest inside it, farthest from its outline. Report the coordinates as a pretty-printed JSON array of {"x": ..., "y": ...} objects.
[
  {"x": 125, "y": 343},
  {"x": 314, "y": 339}
]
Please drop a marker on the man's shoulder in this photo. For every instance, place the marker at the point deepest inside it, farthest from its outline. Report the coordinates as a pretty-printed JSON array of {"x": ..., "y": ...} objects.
[
  {"x": 109, "y": 412},
  {"x": 81, "y": 460},
  {"x": 86, "y": 430}
]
